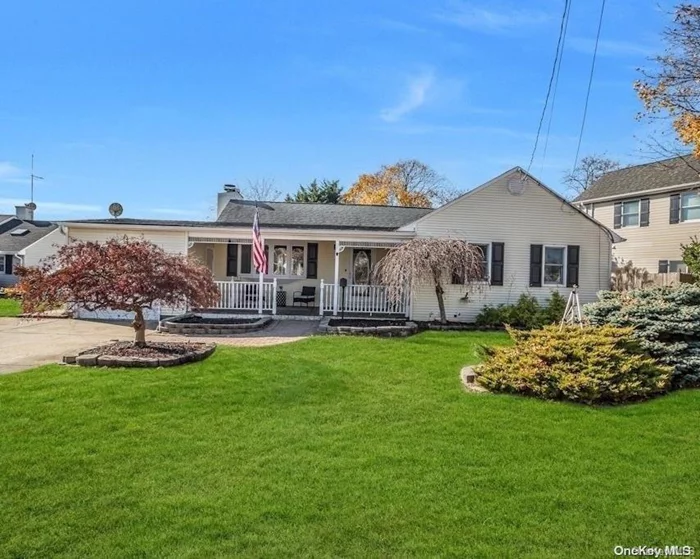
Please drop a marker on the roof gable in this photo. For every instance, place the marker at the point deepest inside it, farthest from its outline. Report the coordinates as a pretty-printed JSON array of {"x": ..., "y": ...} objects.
[
  {"x": 17, "y": 234},
  {"x": 519, "y": 173},
  {"x": 667, "y": 173}
]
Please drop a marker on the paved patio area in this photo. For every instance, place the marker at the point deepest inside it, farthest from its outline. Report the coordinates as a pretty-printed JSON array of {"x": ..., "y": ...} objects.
[{"x": 26, "y": 343}]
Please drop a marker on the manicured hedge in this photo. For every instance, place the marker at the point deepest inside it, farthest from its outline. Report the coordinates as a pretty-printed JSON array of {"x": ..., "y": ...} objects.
[
  {"x": 589, "y": 365},
  {"x": 666, "y": 320}
]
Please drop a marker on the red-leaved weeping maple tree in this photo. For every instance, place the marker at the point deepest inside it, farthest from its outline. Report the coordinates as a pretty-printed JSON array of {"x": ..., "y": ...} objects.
[{"x": 125, "y": 274}]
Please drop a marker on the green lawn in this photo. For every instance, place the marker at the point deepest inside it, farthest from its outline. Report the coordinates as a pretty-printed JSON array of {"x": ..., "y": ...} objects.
[
  {"x": 10, "y": 307},
  {"x": 335, "y": 447}
]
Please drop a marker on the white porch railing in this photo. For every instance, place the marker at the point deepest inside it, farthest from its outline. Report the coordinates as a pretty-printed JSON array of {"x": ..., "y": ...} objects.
[
  {"x": 362, "y": 299},
  {"x": 243, "y": 295}
]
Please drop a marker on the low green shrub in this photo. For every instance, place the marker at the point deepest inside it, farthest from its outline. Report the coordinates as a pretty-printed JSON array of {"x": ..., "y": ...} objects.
[
  {"x": 666, "y": 321},
  {"x": 526, "y": 313},
  {"x": 589, "y": 365}
]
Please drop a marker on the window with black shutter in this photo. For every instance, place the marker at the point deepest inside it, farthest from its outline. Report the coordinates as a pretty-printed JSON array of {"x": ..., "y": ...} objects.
[
  {"x": 535, "y": 265},
  {"x": 644, "y": 212},
  {"x": 312, "y": 260},
  {"x": 675, "y": 210},
  {"x": 617, "y": 215},
  {"x": 8, "y": 264},
  {"x": 246, "y": 259},
  {"x": 232, "y": 259},
  {"x": 573, "y": 257},
  {"x": 497, "y": 257}
]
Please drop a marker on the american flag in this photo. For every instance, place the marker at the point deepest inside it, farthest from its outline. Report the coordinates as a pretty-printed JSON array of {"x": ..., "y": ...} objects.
[{"x": 259, "y": 260}]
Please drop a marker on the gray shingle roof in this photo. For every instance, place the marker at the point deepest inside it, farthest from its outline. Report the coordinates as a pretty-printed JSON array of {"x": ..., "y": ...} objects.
[
  {"x": 35, "y": 231},
  {"x": 324, "y": 216},
  {"x": 640, "y": 178},
  {"x": 292, "y": 215}
]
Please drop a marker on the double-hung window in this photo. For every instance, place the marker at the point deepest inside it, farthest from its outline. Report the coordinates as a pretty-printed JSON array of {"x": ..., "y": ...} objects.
[
  {"x": 690, "y": 206},
  {"x": 458, "y": 277},
  {"x": 288, "y": 260},
  {"x": 554, "y": 265},
  {"x": 630, "y": 213}
]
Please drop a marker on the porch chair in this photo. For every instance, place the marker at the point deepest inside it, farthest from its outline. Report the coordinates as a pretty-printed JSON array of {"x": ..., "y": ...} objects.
[{"x": 306, "y": 295}]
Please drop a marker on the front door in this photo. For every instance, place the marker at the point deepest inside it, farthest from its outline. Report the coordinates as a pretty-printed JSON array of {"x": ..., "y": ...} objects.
[{"x": 361, "y": 266}]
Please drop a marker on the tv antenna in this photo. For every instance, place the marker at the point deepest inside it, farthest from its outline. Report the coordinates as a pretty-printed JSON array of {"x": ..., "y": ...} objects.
[{"x": 32, "y": 177}]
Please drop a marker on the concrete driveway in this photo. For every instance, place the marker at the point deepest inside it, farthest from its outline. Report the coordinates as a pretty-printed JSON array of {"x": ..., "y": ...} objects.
[{"x": 26, "y": 343}]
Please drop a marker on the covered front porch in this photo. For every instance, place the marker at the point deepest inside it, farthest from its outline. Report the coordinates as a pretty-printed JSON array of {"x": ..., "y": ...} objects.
[{"x": 303, "y": 276}]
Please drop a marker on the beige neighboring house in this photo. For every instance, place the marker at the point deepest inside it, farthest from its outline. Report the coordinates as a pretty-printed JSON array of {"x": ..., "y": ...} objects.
[
  {"x": 25, "y": 241},
  {"x": 533, "y": 241},
  {"x": 655, "y": 207}
]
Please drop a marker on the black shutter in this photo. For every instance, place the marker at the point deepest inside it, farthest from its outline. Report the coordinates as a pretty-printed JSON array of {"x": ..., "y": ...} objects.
[
  {"x": 267, "y": 259},
  {"x": 618, "y": 215},
  {"x": 312, "y": 260},
  {"x": 644, "y": 212},
  {"x": 8, "y": 264},
  {"x": 232, "y": 259},
  {"x": 663, "y": 266},
  {"x": 535, "y": 265},
  {"x": 246, "y": 258},
  {"x": 573, "y": 257},
  {"x": 497, "y": 254},
  {"x": 675, "y": 214}
]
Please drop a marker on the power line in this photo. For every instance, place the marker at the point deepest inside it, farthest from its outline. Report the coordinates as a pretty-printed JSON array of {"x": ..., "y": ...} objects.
[
  {"x": 556, "y": 86},
  {"x": 590, "y": 82},
  {"x": 557, "y": 54}
]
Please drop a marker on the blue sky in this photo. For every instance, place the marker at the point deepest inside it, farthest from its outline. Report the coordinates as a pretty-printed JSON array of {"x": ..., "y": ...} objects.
[{"x": 156, "y": 108}]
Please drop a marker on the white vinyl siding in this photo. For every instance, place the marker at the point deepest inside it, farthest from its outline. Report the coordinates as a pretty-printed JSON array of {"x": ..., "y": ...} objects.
[
  {"x": 174, "y": 242},
  {"x": 534, "y": 217},
  {"x": 645, "y": 246},
  {"x": 43, "y": 248}
]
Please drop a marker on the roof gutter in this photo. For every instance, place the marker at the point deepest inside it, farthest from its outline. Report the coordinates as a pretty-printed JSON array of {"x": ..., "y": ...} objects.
[{"x": 660, "y": 190}]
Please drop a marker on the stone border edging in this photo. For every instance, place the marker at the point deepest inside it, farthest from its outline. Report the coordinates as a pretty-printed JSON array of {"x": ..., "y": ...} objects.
[
  {"x": 383, "y": 331},
  {"x": 468, "y": 378},
  {"x": 105, "y": 360},
  {"x": 174, "y": 326}
]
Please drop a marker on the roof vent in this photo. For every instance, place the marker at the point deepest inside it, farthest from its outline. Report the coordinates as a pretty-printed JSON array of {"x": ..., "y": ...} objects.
[{"x": 19, "y": 232}]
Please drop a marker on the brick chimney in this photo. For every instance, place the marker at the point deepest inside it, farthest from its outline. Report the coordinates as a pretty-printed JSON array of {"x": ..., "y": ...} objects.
[{"x": 231, "y": 192}]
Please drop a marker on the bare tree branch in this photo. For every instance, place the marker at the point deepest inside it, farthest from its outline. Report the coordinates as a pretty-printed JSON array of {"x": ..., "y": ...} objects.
[{"x": 261, "y": 190}]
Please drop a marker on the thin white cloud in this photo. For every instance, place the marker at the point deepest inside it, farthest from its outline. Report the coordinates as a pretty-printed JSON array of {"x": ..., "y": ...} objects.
[
  {"x": 52, "y": 207},
  {"x": 611, "y": 47},
  {"x": 399, "y": 25},
  {"x": 490, "y": 20},
  {"x": 413, "y": 98}
]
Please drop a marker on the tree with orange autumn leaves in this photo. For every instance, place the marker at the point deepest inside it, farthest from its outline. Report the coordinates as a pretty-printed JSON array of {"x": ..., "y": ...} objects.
[
  {"x": 672, "y": 89},
  {"x": 405, "y": 183}
]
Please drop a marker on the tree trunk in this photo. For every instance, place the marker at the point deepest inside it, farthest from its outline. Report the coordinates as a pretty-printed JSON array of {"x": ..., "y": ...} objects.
[
  {"x": 441, "y": 302},
  {"x": 139, "y": 325}
]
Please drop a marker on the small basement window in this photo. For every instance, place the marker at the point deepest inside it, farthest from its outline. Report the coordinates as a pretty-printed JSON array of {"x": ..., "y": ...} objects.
[{"x": 672, "y": 266}]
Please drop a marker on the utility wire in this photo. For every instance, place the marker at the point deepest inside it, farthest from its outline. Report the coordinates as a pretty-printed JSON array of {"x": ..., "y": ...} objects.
[
  {"x": 590, "y": 82},
  {"x": 551, "y": 80},
  {"x": 556, "y": 85}
]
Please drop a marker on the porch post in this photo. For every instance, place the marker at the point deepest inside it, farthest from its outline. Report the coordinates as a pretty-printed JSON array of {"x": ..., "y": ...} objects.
[
  {"x": 321, "y": 299},
  {"x": 335, "y": 282},
  {"x": 274, "y": 296}
]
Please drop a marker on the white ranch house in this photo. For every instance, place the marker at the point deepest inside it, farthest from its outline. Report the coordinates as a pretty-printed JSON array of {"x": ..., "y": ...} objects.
[{"x": 533, "y": 241}]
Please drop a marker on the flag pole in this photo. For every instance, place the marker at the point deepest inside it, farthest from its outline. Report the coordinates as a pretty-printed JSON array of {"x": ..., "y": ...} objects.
[{"x": 260, "y": 284}]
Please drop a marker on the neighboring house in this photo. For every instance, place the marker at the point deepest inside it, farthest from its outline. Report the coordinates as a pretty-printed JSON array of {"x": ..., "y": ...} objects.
[
  {"x": 532, "y": 239},
  {"x": 25, "y": 241},
  {"x": 655, "y": 207}
]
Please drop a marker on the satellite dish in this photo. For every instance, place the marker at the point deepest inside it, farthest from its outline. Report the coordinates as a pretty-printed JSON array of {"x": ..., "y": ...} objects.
[
  {"x": 31, "y": 206},
  {"x": 516, "y": 186},
  {"x": 116, "y": 209}
]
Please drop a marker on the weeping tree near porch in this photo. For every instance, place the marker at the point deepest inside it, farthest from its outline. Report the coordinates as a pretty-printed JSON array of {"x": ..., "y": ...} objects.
[
  {"x": 431, "y": 262},
  {"x": 123, "y": 274}
]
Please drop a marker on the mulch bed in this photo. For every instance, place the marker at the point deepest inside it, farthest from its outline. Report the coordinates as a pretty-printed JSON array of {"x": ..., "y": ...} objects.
[
  {"x": 365, "y": 323},
  {"x": 202, "y": 320},
  {"x": 152, "y": 349}
]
